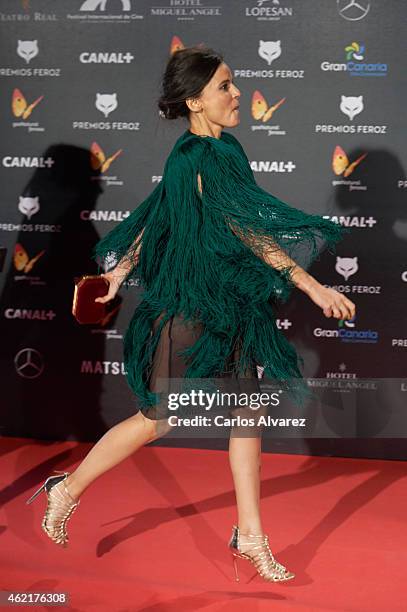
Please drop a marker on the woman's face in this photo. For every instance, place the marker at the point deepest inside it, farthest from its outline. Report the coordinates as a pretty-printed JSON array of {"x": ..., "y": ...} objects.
[{"x": 219, "y": 99}]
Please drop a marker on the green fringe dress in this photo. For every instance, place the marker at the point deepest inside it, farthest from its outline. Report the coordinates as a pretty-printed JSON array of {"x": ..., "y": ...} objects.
[{"x": 208, "y": 306}]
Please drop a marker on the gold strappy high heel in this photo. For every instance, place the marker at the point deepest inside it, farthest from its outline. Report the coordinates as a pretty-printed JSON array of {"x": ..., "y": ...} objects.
[
  {"x": 265, "y": 563},
  {"x": 59, "y": 509}
]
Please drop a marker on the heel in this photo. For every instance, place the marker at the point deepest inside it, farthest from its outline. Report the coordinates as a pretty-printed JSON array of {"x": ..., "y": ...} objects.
[
  {"x": 42, "y": 488},
  {"x": 234, "y": 558},
  {"x": 259, "y": 554}
]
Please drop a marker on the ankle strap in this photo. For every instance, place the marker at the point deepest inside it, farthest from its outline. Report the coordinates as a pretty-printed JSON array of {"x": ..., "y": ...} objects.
[{"x": 249, "y": 535}]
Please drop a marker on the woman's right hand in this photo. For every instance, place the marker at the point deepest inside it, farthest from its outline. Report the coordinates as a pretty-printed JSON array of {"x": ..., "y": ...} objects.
[{"x": 115, "y": 279}]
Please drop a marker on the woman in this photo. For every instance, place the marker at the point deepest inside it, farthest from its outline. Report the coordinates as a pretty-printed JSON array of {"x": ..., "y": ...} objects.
[{"x": 212, "y": 250}]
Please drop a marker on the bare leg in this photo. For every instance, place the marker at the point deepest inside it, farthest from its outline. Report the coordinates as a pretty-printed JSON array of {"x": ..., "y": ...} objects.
[
  {"x": 245, "y": 463},
  {"x": 245, "y": 456},
  {"x": 129, "y": 435},
  {"x": 113, "y": 447}
]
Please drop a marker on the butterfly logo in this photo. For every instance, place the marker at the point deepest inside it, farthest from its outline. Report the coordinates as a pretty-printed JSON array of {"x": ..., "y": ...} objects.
[
  {"x": 340, "y": 162},
  {"x": 109, "y": 315},
  {"x": 22, "y": 262},
  {"x": 98, "y": 159},
  {"x": 261, "y": 109},
  {"x": 19, "y": 104},
  {"x": 176, "y": 44}
]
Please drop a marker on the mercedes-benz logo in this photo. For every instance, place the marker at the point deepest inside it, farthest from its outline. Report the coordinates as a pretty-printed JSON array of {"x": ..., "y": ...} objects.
[
  {"x": 29, "y": 363},
  {"x": 351, "y": 10}
]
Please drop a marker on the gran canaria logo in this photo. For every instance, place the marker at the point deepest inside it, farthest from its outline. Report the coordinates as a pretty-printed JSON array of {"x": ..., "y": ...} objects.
[{"x": 355, "y": 64}]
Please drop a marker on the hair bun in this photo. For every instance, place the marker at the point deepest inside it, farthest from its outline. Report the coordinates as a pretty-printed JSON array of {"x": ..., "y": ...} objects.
[
  {"x": 187, "y": 72},
  {"x": 164, "y": 109}
]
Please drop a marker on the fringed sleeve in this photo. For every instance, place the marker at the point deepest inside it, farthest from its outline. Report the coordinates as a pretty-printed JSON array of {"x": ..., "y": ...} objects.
[
  {"x": 124, "y": 241},
  {"x": 262, "y": 221}
]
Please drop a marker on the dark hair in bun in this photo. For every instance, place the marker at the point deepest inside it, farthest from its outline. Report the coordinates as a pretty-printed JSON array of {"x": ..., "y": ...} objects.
[{"x": 187, "y": 72}]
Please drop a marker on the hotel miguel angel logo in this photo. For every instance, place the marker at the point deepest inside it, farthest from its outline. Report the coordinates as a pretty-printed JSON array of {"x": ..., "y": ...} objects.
[
  {"x": 20, "y": 106},
  {"x": 22, "y": 261},
  {"x": 98, "y": 159},
  {"x": 341, "y": 164},
  {"x": 261, "y": 110}
]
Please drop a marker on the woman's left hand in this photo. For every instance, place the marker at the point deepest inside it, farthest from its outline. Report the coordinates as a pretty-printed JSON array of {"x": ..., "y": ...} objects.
[{"x": 333, "y": 303}]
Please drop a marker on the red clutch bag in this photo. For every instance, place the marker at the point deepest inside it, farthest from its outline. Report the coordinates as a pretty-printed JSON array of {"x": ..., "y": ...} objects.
[{"x": 84, "y": 308}]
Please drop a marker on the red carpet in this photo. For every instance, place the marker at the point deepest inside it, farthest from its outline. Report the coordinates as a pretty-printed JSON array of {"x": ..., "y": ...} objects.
[{"x": 150, "y": 535}]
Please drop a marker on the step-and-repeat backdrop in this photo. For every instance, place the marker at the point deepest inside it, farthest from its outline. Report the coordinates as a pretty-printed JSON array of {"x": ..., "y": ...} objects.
[{"x": 323, "y": 122}]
